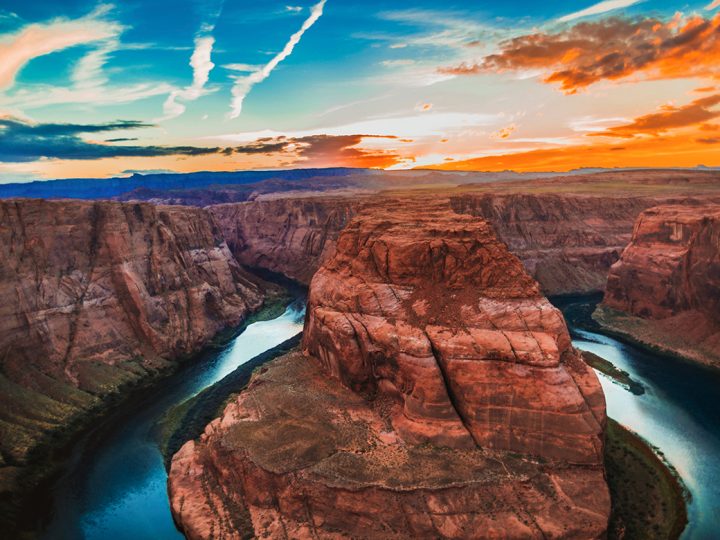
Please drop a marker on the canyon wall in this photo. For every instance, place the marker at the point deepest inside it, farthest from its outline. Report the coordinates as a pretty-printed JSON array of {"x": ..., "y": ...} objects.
[
  {"x": 665, "y": 289},
  {"x": 97, "y": 295},
  {"x": 437, "y": 396},
  {"x": 567, "y": 242},
  {"x": 289, "y": 236}
]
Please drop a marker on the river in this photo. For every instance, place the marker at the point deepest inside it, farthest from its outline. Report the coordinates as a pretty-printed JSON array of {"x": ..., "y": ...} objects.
[
  {"x": 114, "y": 486},
  {"x": 678, "y": 413}
]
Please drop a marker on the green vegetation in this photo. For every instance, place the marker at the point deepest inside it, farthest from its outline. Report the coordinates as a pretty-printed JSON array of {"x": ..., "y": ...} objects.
[
  {"x": 648, "y": 499},
  {"x": 62, "y": 413},
  {"x": 188, "y": 420},
  {"x": 617, "y": 375}
]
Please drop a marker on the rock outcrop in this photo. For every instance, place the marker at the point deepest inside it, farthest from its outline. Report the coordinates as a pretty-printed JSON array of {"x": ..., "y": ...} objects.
[
  {"x": 665, "y": 289},
  {"x": 438, "y": 396},
  {"x": 97, "y": 295},
  {"x": 288, "y": 236},
  {"x": 567, "y": 242}
]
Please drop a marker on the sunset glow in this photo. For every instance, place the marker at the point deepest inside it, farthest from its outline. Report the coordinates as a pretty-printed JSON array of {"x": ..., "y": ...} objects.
[{"x": 90, "y": 89}]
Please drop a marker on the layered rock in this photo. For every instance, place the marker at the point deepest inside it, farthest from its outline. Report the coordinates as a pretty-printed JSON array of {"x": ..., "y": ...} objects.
[
  {"x": 665, "y": 289},
  {"x": 96, "y": 295},
  {"x": 566, "y": 241},
  {"x": 288, "y": 236},
  {"x": 462, "y": 409}
]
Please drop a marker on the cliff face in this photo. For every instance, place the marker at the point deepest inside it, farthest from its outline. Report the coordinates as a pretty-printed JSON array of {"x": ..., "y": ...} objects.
[
  {"x": 289, "y": 236},
  {"x": 567, "y": 242},
  {"x": 668, "y": 280},
  {"x": 463, "y": 411},
  {"x": 100, "y": 294}
]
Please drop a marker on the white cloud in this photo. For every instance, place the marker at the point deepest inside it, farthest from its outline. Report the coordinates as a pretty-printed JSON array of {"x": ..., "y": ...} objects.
[
  {"x": 397, "y": 63},
  {"x": 39, "y": 39},
  {"x": 243, "y": 85},
  {"x": 428, "y": 124},
  {"x": 294, "y": 9},
  {"x": 247, "y": 68},
  {"x": 45, "y": 95},
  {"x": 602, "y": 7},
  {"x": 202, "y": 65},
  {"x": 712, "y": 5}
]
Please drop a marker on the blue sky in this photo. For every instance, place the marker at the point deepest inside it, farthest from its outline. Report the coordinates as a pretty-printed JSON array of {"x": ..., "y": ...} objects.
[{"x": 416, "y": 78}]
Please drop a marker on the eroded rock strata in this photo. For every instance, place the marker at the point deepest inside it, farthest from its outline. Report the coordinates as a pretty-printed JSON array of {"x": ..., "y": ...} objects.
[
  {"x": 566, "y": 241},
  {"x": 438, "y": 396},
  {"x": 665, "y": 289},
  {"x": 95, "y": 295},
  {"x": 288, "y": 236}
]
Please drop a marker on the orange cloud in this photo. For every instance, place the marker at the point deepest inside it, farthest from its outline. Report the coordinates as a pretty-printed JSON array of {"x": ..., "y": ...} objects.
[
  {"x": 668, "y": 118},
  {"x": 611, "y": 49},
  {"x": 665, "y": 152},
  {"x": 342, "y": 151},
  {"x": 505, "y": 132}
]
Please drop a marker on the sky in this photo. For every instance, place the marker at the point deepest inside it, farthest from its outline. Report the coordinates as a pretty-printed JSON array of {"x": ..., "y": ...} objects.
[{"x": 92, "y": 89}]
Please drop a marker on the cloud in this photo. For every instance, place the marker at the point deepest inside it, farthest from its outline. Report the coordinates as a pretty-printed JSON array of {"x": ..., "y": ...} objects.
[
  {"x": 202, "y": 66},
  {"x": 45, "y": 95},
  {"x": 40, "y": 39},
  {"x": 397, "y": 63},
  {"x": 655, "y": 152},
  {"x": 709, "y": 140},
  {"x": 610, "y": 49},
  {"x": 602, "y": 7},
  {"x": 712, "y": 5},
  {"x": 22, "y": 141},
  {"x": 243, "y": 85},
  {"x": 669, "y": 117},
  {"x": 424, "y": 124},
  {"x": 505, "y": 132},
  {"x": 324, "y": 150}
]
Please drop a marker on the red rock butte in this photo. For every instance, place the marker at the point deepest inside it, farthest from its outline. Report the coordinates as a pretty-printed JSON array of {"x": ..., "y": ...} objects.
[
  {"x": 437, "y": 396},
  {"x": 665, "y": 289}
]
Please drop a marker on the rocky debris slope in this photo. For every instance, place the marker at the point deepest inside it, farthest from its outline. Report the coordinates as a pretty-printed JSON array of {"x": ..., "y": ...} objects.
[
  {"x": 288, "y": 236},
  {"x": 665, "y": 289},
  {"x": 97, "y": 295},
  {"x": 438, "y": 396},
  {"x": 567, "y": 242}
]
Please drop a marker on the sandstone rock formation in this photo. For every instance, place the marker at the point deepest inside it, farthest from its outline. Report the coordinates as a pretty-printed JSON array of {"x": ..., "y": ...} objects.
[
  {"x": 438, "y": 397},
  {"x": 665, "y": 289},
  {"x": 96, "y": 295},
  {"x": 566, "y": 241},
  {"x": 289, "y": 236}
]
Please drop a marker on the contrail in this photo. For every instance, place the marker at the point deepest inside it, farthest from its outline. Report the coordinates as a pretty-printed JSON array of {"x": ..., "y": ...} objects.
[
  {"x": 243, "y": 85},
  {"x": 202, "y": 66}
]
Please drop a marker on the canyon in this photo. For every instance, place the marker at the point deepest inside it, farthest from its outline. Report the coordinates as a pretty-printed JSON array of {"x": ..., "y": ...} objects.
[
  {"x": 430, "y": 351},
  {"x": 288, "y": 236},
  {"x": 98, "y": 296},
  {"x": 664, "y": 292},
  {"x": 435, "y": 379}
]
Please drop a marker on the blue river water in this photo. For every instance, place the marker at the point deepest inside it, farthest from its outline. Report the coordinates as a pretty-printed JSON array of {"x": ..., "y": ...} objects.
[
  {"x": 115, "y": 486},
  {"x": 678, "y": 414}
]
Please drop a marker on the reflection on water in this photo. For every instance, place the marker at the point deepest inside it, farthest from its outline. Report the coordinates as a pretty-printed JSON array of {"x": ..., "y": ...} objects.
[
  {"x": 678, "y": 414},
  {"x": 115, "y": 487}
]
